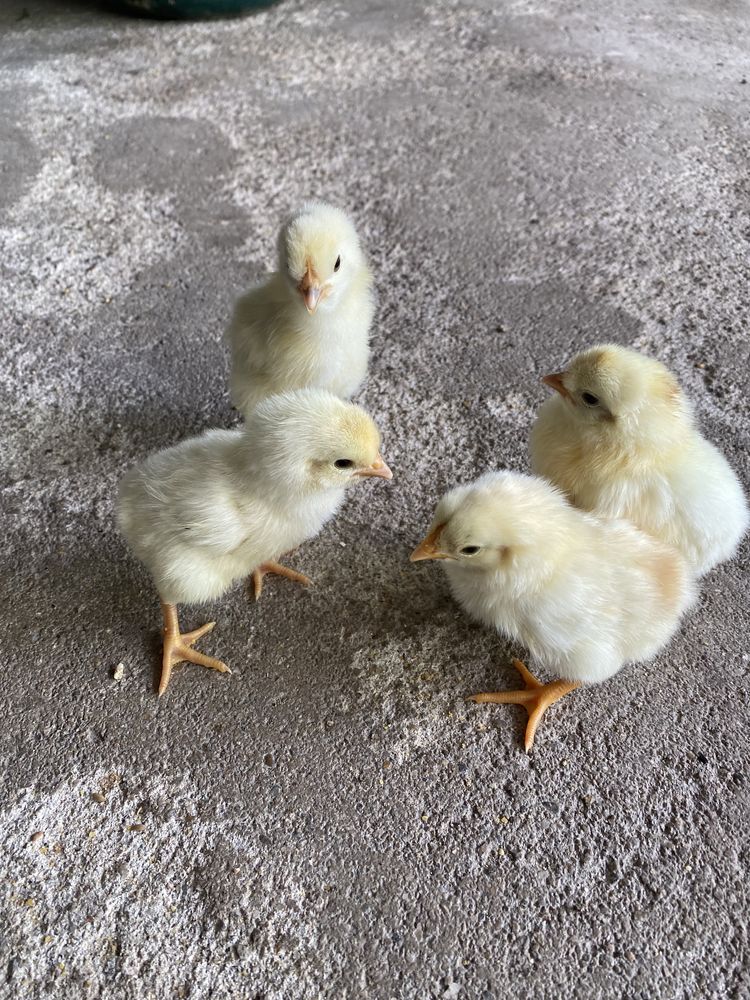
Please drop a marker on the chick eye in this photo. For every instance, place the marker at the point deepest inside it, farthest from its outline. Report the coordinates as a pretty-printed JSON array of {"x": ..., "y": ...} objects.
[
  {"x": 337, "y": 265},
  {"x": 590, "y": 399},
  {"x": 343, "y": 463},
  {"x": 470, "y": 550}
]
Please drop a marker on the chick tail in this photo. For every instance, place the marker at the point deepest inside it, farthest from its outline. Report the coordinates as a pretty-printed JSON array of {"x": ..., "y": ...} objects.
[
  {"x": 535, "y": 697},
  {"x": 278, "y": 570},
  {"x": 178, "y": 647}
]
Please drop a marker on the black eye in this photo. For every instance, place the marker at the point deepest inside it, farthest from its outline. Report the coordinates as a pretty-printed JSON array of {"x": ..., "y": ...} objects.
[
  {"x": 470, "y": 550},
  {"x": 343, "y": 463},
  {"x": 337, "y": 265},
  {"x": 590, "y": 399}
]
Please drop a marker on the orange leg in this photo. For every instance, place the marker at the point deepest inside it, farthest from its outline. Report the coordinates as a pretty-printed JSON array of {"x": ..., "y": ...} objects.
[
  {"x": 535, "y": 697},
  {"x": 277, "y": 570},
  {"x": 178, "y": 647}
]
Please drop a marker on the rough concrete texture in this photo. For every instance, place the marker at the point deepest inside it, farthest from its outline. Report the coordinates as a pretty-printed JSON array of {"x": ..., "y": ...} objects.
[{"x": 333, "y": 820}]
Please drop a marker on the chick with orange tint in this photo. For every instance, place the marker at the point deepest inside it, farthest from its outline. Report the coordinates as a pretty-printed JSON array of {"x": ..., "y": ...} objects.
[
  {"x": 584, "y": 595},
  {"x": 619, "y": 438}
]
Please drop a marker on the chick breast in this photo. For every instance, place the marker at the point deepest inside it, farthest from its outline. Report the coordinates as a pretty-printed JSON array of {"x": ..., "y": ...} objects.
[{"x": 276, "y": 345}]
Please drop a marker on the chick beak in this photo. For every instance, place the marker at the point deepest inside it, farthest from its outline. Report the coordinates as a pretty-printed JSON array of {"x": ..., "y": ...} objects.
[
  {"x": 309, "y": 288},
  {"x": 555, "y": 381},
  {"x": 428, "y": 547},
  {"x": 378, "y": 468}
]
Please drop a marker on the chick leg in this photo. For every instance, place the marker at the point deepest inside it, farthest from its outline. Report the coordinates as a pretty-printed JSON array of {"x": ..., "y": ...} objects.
[
  {"x": 277, "y": 570},
  {"x": 535, "y": 697},
  {"x": 178, "y": 647}
]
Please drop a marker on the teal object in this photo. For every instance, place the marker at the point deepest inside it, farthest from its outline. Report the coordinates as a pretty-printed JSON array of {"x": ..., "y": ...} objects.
[{"x": 183, "y": 9}]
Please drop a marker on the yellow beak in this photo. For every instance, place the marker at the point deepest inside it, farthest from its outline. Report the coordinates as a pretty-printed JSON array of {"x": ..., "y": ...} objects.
[
  {"x": 309, "y": 288},
  {"x": 555, "y": 381},
  {"x": 428, "y": 547},
  {"x": 378, "y": 468}
]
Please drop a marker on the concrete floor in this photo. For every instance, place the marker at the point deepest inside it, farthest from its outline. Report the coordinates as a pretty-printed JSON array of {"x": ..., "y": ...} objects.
[{"x": 333, "y": 820}]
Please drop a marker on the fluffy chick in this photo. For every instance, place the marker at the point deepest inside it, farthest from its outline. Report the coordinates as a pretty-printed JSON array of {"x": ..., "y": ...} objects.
[
  {"x": 309, "y": 323},
  {"x": 619, "y": 438},
  {"x": 584, "y": 595},
  {"x": 214, "y": 508}
]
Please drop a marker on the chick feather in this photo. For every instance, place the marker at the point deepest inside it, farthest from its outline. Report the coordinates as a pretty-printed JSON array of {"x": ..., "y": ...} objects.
[
  {"x": 619, "y": 438},
  {"x": 584, "y": 595},
  {"x": 309, "y": 323},
  {"x": 207, "y": 511}
]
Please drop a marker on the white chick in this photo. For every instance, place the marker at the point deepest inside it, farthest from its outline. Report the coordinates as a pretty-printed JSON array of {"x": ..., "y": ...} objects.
[
  {"x": 215, "y": 508},
  {"x": 620, "y": 439},
  {"x": 309, "y": 323},
  {"x": 584, "y": 595}
]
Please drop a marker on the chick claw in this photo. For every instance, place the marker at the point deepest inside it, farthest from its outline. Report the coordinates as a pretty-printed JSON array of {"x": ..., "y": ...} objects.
[
  {"x": 178, "y": 648},
  {"x": 278, "y": 570},
  {"x": 535, "y": 697}
]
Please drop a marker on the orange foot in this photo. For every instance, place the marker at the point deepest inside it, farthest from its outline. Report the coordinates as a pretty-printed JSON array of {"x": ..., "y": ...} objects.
[
  {"x": 535, "y": 697},
  {"x": 277, "y": 570},
  {"x": 178, "y": 647}
]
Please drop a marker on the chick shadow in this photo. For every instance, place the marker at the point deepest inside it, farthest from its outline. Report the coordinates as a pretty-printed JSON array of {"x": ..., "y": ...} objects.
[
  {"x": 399, "y": 604},
  {"x": 118, "y": 438},
  {"x": 98, "y": 595},
  {"x": 81, "y": 606}
]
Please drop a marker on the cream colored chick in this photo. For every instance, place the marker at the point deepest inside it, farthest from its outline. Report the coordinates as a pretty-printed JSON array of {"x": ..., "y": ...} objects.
[
  {"x": 620, "y": 439},
  {"x": 308, "y": 324},
  {"x": 583, "y": 594},
  {"x": 215, "y": 508}
]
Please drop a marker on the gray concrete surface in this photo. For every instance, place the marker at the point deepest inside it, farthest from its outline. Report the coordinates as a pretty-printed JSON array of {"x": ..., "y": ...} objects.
[{"x": 333, "y": 820}]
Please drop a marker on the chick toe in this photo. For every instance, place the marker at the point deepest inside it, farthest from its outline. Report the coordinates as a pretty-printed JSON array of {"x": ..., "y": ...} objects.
[
  {"x": 535, "y": 697},
  {"x": 278, "y": 570},
  {"x": 178, "y": 648}
]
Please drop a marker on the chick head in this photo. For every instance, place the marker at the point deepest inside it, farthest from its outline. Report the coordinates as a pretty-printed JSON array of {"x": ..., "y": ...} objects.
[
  {"x": 608, "y": 382},
  {"x": 319, "y": 253},
  {"x": 311, "y": 441},
  {"x": 504, "y": 523}
]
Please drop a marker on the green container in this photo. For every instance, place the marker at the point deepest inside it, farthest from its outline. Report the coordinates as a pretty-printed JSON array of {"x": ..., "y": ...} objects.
[{"x": 182, "y": 9}]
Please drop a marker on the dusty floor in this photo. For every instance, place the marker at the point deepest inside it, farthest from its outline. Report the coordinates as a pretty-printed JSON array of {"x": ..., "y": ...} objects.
[{"x": 333, "y": 820}]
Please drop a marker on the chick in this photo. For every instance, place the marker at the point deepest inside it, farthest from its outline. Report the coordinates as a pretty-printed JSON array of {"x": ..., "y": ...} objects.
[
  {"x": 584, "y": 595},
  {"x": 620, "y": 439},
  {"x": 214, "y": 508},
  {"x": 309, "y": 323}
]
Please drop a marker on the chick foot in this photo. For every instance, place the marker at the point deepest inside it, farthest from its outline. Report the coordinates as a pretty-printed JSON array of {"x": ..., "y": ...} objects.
[
  {"x": 277, "y": 570},
  {"x": 535, "y": 697},
  {"x": 178, "y": 647}
]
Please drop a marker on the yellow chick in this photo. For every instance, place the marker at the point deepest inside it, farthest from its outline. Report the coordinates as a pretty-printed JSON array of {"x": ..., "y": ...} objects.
[
  {"x": 584, "y": 595},
  {"x": 215, "y": 508},
  {"x": 620, "y": 439},
  {"x": 309, "y": 323}
]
